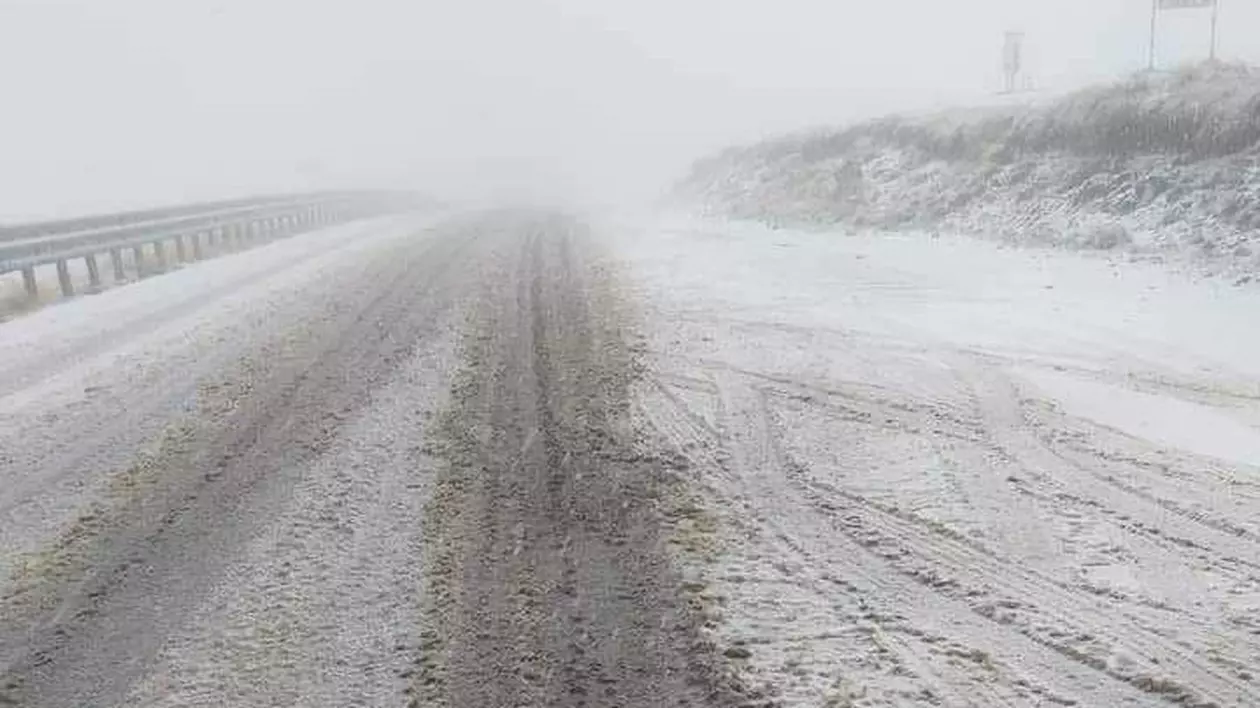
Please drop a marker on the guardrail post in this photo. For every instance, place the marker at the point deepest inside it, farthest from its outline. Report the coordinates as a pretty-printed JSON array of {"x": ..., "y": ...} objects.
[
  {"x": 63, "y": 277},
  {"x": 159, "y": 254},
  {"x": 138, "y": 253},
  {"x": 28, "y": 281},
  {"x": 115, "y": 256},
  {"x": 94, "y": 271},
  {"x": 181, "y": 249}
]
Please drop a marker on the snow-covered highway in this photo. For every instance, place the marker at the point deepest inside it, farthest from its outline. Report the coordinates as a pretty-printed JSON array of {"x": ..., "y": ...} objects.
[{"x": 516, "y": 459}]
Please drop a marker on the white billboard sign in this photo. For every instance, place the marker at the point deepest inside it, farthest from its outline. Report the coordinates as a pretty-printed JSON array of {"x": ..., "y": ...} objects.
[{"x": 1214, "y": 5}]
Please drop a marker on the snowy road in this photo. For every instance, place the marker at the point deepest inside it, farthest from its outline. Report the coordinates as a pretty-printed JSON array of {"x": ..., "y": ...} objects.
[
  {"x": 933, "y": 472},
  {"x": 494, "y": 460},
  {"x": 380, "y": 461}
]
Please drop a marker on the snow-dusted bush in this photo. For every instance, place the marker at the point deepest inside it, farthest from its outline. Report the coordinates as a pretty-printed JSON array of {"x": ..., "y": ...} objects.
[{"x": 1165, "y": 162}]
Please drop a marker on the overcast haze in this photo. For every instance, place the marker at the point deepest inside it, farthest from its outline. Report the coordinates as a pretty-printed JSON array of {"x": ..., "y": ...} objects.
[{"x": 135, "y": 102}]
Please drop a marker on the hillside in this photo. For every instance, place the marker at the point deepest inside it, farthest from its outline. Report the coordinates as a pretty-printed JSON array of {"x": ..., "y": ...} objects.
[{"x": 1162, "y": 164}]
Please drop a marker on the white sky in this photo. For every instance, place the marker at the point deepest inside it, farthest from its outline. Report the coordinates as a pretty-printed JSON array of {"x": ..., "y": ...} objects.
[{"x": 115, "y": 103}]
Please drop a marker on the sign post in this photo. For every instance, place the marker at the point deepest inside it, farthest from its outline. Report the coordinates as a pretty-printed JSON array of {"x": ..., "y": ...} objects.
[
  {"x": 1216, "y": 15},
  {"x": 1012, "y": 60}
]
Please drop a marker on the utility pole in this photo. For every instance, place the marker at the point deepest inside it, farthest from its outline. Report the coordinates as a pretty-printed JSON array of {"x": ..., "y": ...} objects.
[{"x": 1150, "y": 66}]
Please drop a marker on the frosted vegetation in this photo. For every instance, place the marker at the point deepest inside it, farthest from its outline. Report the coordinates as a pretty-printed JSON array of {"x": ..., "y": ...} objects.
[{"x": 1162, "y": 164}]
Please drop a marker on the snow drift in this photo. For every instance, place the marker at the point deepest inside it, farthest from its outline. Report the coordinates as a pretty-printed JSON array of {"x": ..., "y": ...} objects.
[{"x": 1162, "y": 164}]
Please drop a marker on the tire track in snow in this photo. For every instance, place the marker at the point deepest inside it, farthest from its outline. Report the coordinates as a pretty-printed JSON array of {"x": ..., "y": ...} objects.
[{"x": 922, "y": 619}]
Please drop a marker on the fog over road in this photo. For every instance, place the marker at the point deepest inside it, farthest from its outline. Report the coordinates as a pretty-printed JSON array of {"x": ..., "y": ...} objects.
[{"x": 513, "y": 458}]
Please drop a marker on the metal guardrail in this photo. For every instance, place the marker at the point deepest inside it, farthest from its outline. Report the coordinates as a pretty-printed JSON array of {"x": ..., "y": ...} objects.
[
  {"x": 127, "y": 218},
  {"x": 195, "y": 231}
]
